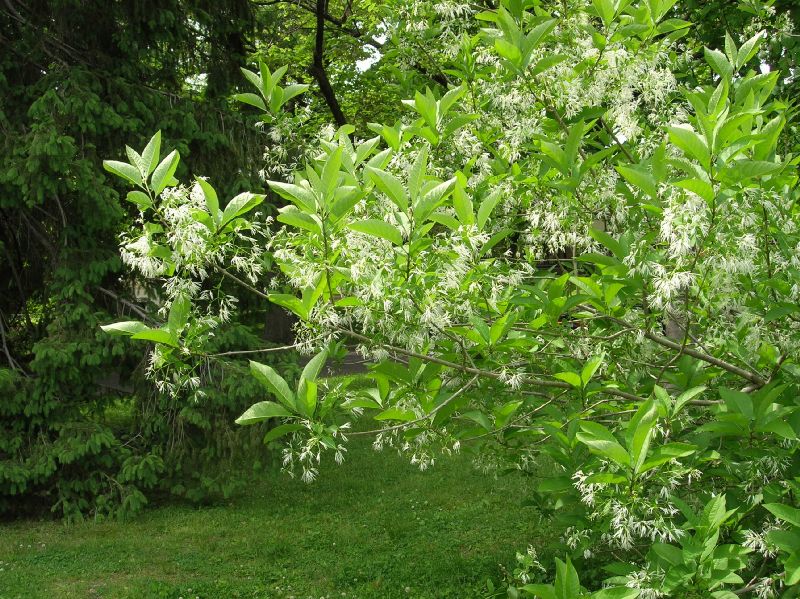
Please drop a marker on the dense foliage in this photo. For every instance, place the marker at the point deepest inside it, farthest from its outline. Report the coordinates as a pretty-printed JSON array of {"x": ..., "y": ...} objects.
[
  {"x": 580, "y": 253},
  {"x": 81, "y": 431}
]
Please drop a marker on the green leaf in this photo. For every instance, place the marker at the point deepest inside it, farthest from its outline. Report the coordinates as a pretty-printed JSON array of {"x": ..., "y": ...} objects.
[
  {"x": 639, "y": 178},
  {"x": 308, "y": 397},
  {"x": 210, "y": 195},
  {"x": 738, "y": 402},
  {"x": 281, "y": 430},
  {"x": 450, "y": 98},
  {"x": 461, "y": 202},
  {"x": 136, "y": 160},
  {"x": 330, "y": 173},
  {"x": 139, "y": 198},
  {"x": 241, "y": 204},
  {"x": 719, "y": 63},
  {"x": 480, "y": 418},
  {"x": 572, "y": 145},
  {"x": 748, "y": 50},
  {"x": 345, "y": 199},
  {"x": 785, "y": 540},
  {"x": 445, "y": 219},
  {"x": 536, "y": 34},
  {"x": 275, "y": 383},
  {"x": 504, "y": 412},
  {"x": 792, "y": 566},
  {"x": 290, "y": 215},
  {"x": 253, "y": 78},
  {"x": 431, "y": 199},
  {"x": 128, "y": 327},
  {"x": 609, "y": 242},
  {"x": 779, "y": 312},
  {"x": 605, "y": 10},
  {"x": 590, "y": 368},
  {"x": 157, "y": 336},
  {"x": 378, "y": 228},
  {"x": 685, "y": 138},
  {"x": 541, "y": 591},
  {"x": 416, "y": 175},
  {"x": 124, "y": 170},
  {"x": 784, "y": 512},
  {"x": 301, "y": 196},
  {"x": 600, "y": 440},
  {"x": 742, "y": 170},
  {"x": 290, "y": 91},
  {"x": 178, "y": 314},
  {"x": 390, "y": 186},
  {"x": 572, "y": 378},
  {"x": 547, "y": 62},
  {"x": 685, "y": 398},
  {"x": 714, "y": 513},
  {"x": 486, "y": 208},
  {"x": 252, "y": 100},
  {"x": 730, "y": 48},
  {"x": 314, "y": 366},
  {"x": 703, "y": 189},
  {"x": 261, "y": 411},
  {"x": 163, "y": 173},
  {"x": 151, "y": 153},
  {"x": 640, "y": 432},
  {"x": 616, "y": 593},
  {"x": 567, "y": 584},
  {"x": 396, "y": 414},
  {"x": 666, "y": 453},
  {"x": 291, "y": 303}
]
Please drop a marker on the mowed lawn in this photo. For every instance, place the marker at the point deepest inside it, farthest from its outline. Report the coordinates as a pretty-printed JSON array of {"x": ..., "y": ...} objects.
[{"x": 374, "y": 527}]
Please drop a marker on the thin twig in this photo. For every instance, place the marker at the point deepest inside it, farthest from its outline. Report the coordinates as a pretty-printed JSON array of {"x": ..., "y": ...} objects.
[
  {"x": 260, "y": 351},
  {"x": 127, "y": 303},
  {"x": 455, "y": 395},
  {"x": 239, "y": 281},
  {"x": 11, "y": 361}
]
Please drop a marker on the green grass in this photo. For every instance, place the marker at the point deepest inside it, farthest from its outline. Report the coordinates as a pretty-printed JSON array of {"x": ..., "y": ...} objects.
[{"x": 373, "y": 527}]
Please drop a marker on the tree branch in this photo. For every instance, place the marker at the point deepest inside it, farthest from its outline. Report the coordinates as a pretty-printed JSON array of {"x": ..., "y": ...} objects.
[
  {"x": 484, "y": 373},
  {"x": 425, "y": 417},
  {"x": 753, "y": 377},
  {"x": 238, "y": 281},
  {"x": 318, "y": 67},
  {"x": 136, "y": 309}
]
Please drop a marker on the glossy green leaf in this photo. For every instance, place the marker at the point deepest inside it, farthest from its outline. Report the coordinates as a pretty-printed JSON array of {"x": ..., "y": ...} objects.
[
  {"x": 783, "y": 512},
  {"x": 600, "y": 440},
  {"x": 274, "y": 383},
  {"x": 390, "y": 186},
  {"x": 122, "y": 169},
  {"x": 239, "y": 205},
  {"x": 128, "y": 327},
  {"x": 151, "y": 153},
  {"x": 261, "y": 411},
  {"x": 163, "y": 173},
  {"x": 282, "y": 430},
  {"x": 378, "y": 228},
  {"x": 210, "y": 196}
]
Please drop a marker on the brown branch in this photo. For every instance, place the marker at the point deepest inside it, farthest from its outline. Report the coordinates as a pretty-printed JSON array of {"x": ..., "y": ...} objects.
[
  {"x": 614, "y": 137},
  {"x": 753, "y": 377},
  {"x": 318, "y": 67}
]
